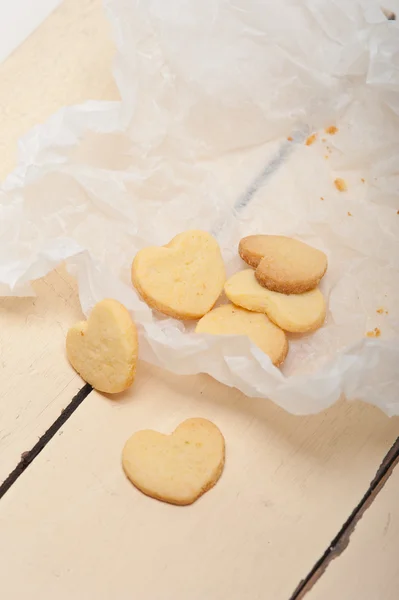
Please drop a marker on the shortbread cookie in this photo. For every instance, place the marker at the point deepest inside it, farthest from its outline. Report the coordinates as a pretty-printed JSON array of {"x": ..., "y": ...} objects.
[
  {"x": 103, "y": 350},
  {"x": 182, "y": 279},
  {"x": 283, "y": 264},
  {"x": 252, "y": 249},
  {"x": 296, "y": 313},
  {"x": 176, "y": 468},
  {"x": 232, "y": 320}
]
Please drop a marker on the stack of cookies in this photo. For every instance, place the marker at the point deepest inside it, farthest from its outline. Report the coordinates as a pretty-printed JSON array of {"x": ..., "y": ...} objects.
[
  {"x": 283, "y": 285},
  {"x": 185, "y": 278}
]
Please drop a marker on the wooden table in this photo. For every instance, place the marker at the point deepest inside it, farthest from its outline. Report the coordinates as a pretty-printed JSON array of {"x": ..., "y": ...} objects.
[{"x": 297, "y": 492}]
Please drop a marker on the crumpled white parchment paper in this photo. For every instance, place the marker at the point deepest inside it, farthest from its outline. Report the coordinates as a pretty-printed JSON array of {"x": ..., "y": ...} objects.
[{"x": 210, "y": 92}]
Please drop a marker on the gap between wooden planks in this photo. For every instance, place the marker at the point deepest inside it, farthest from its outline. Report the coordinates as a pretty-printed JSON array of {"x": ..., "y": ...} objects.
[
  {"x": 368, "y": 569},
  {"x": 36, "y": 380},
  {"x": 66, "y": 60},
  {"x": 72, "y": 521},
  {"x": 383, "y": 578},
  {"x": 29, "y": 456},
  {"x": 289, "y": 484},
  {"x": 343, "y": 537}
]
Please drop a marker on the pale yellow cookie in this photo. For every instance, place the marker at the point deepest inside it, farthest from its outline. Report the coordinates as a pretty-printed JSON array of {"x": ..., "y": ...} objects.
[
  {"x": 103, "y": 350},
  {"x": 232, "y": 320},
  {"x": 176, "y": 468},
  {"x": 283, "y": 264},
  {"x": 296, "y": 313},
  {"x": 182, "y": 279}
]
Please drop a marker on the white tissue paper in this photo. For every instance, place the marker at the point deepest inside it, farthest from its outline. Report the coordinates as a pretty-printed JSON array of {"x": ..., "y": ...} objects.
[{"x": 212, "y": 92}]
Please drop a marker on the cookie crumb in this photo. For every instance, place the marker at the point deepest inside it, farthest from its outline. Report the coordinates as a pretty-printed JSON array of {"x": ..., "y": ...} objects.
[
  {"x": 397, "y": 212},
  {"x": 311, "y": 139},
  {"x": 289, "y": 138},
  {"x": 332, "y": 130},
  {"x": 362, "y": 180},
  {"x": 350, "y": 214},
  {"x": 390, "y": 15},
  {"x": 381, "y": 311},
  {"x": 340, "y": 184},
  {"x": 326, "y": 156},
  {"x": 374, "y": 333},
  {"x": 321, "y": 198}
]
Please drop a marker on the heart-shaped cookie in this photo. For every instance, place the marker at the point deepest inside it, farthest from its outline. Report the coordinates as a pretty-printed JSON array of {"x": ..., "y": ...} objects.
[
  {"x": 182, "y": 279},
  {"x": 176, "y": 468},
  {"x": 103, "y": 350},
  {"x": 283, "y": 264},
  {"x": 251, "y": 249},
  {"x": 297, "y": 313},
  {"x": 233, "y": 320}
]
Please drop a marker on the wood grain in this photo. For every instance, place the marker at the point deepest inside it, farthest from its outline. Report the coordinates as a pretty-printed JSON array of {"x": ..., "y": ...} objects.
[{"x": 288, "y": 485}]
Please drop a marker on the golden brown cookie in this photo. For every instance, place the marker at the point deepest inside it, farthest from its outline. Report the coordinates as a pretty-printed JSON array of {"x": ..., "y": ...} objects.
[
  {"x": 176, "y": 468},
  {"x": 103, "y": 350},
  {"x": 283, "y": 264},
  {"x": 251, "y": 249},
  {"x": 297, "y": 313},
  {"x": 182, "y": 279},
  {"x": 232, "y": 320}
]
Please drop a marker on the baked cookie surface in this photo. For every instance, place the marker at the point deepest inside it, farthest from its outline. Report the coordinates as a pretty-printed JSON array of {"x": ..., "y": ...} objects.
[
  {"x": 296, "y": 313},
  {"x": 182, "y": 279},
  {"x": 283, "y": 264},
  {"x": 233, "y": 320},
  {"x": 290, "y": 266},
  {"x": 176, "y": 468},
  {"x": 103, "y": 349}
]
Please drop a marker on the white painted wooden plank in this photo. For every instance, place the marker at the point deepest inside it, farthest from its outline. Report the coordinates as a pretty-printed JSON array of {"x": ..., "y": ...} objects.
[
  {"x": 67, "y": 60},
  {"x": 368, "y": 568},
  {"x": 36, "y": 380},
  {"x": 72, "y": 526},
  {"x": 78, "y": 529}
]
